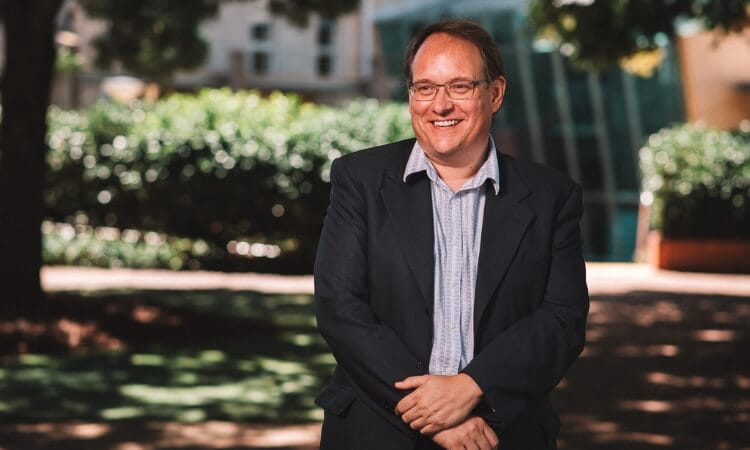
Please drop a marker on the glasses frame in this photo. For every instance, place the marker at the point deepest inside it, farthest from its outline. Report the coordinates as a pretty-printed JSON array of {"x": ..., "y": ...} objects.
[{"x": 445, "y": 86}]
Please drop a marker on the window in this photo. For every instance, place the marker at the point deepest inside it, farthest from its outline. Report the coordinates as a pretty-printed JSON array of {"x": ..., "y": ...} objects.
[
  {"x": 325, "y": 32},
  {"x": 260, "y": 48},
  {"x": 325, "y": 38},
  {"x": 325, "y": 64},
  {"x": 259, "y": 62},
  {"x": 260, "y": 32}
]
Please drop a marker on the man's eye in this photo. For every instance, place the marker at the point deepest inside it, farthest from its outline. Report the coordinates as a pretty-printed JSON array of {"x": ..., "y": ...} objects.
[
  {"x": 460, "y": 87},
  {"x": 424, "y": 88}
]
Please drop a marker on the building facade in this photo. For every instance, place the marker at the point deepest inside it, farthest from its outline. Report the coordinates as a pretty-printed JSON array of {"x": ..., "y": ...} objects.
[{"x": 329, "y": 60}]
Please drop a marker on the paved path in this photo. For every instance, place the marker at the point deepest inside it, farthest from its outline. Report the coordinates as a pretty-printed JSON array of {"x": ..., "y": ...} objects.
[
  {"x": 665, "y": 367},
  {"x": 603, "y": 278},
  {"x": 151, "y": 436}
]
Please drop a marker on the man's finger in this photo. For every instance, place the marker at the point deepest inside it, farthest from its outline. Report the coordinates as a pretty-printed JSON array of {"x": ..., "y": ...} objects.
[
  {"x": 471, "y": 445},
  {"x": 417, "y": 424},
  {"x": 411, "y": 415},
  {"x": 411, "y": 382},
  {"x": 492, "y": 438},
  {"x": 405, "y": 404},
  {"x": 430, "y": 429},
  {"x": 483, "y": 443}
]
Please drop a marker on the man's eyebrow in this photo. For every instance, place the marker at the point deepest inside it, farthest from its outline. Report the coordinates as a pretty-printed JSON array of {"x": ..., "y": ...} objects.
[{"x": 427, "y": 80}]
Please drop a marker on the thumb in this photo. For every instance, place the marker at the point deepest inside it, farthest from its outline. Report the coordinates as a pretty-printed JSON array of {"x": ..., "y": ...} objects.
[{"x": 411, "y": 382}]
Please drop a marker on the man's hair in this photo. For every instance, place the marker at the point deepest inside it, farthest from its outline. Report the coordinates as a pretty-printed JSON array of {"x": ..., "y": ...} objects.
[{"x": 462, "y": 29}]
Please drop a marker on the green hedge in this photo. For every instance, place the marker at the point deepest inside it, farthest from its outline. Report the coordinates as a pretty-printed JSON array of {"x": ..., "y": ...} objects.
[
  {"x": 217, "y": 166},
  {"x": 700, "y": 181}
]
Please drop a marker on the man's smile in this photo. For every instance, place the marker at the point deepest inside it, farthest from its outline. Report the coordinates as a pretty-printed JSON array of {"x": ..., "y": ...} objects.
[{"x": 446, "y": 123}]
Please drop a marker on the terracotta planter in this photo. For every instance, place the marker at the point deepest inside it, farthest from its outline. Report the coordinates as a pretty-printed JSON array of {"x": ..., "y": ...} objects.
[{"x": 699, "y": 255}]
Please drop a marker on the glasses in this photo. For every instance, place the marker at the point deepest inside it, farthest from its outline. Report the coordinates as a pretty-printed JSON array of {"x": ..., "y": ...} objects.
[{"x": 456, "y": 90}]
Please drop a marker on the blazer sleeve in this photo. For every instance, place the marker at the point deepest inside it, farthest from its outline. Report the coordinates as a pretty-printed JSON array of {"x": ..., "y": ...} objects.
[
  {"x": 521, "y": 365},
  {"x": 370, "y": 351}
]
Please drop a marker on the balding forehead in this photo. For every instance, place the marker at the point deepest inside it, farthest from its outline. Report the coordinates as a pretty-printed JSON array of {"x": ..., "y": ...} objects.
[{"x": 439, "y": 44}]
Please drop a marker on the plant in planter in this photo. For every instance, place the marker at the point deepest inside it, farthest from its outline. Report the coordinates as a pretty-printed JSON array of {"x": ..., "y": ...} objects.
[{"x": 699, "y": 179}]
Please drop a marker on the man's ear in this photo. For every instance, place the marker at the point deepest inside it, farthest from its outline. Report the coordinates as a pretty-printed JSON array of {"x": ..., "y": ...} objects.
[{"x": 497, "y": 90}]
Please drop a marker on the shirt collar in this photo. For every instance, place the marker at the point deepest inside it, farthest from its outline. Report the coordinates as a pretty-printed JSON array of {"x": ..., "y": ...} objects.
[{"x": 490, "y": 169}]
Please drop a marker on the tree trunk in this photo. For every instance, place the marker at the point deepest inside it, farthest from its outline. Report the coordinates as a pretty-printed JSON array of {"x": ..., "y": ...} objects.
[{"x": 25, "y": 90}]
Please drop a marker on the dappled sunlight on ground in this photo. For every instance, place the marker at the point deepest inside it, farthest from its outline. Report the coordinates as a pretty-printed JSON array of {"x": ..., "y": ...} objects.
[
  {"x": 186, "y": 358},
  {"x": 218, "y": 361},
  {"x": 659, "y": 372}
]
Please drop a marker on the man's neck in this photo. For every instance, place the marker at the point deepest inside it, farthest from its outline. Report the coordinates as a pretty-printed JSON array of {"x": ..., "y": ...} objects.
[{"x": 456, "y": 172}]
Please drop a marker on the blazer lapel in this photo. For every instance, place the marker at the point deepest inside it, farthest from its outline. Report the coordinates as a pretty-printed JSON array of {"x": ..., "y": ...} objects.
[
  {"x": 505, "y": 221},
  {"x": 409, "y": 206}
]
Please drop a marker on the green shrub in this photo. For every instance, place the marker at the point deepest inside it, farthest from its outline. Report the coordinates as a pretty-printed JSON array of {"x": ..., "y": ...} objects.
[
  {"x": 217, "y": 166},
  {"x": 700, "y": 181},
  {"x": 83, "y": 245}
]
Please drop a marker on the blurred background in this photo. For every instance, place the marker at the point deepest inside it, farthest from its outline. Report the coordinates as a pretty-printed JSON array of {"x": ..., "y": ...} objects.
[{"x": 164, "y": 175}]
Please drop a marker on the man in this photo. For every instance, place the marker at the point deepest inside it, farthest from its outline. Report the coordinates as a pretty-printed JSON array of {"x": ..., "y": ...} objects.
[{"x": 449, "y": 280}]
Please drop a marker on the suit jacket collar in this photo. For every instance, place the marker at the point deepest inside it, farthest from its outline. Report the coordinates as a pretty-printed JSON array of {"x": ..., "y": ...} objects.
[
  {"x": 506, "y": 218},
  {"x": 409, "y": 206}
]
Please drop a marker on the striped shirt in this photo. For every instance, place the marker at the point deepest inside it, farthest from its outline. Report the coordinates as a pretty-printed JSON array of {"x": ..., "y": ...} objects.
[{"x": 457, "y": 221}]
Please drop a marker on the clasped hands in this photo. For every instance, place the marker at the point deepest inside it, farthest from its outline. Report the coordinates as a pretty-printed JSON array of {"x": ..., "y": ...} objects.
[{"x": 440, "y": 407}]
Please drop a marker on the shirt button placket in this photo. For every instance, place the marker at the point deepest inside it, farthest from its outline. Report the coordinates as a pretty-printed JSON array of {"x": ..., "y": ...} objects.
[{"x": 455, "y": 259}]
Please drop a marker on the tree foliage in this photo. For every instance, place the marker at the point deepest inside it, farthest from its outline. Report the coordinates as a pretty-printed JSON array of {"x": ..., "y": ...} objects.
[
  {"x": 155, "y": 38},
  {"x": 298, "y": 11},
  {"x": 600, "y": 34},
  {"x": 152, "y": 39}
]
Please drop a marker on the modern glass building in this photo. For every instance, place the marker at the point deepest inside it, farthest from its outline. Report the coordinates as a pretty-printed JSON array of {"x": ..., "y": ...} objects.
[{"x": 589, "y": 125}]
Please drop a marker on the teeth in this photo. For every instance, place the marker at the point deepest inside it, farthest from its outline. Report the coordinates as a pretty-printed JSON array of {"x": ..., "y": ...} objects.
[{"x": 445, "y": 123}]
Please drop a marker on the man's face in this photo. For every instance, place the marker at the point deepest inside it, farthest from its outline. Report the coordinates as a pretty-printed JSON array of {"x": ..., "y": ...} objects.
[{"x": 450, "y": 130}]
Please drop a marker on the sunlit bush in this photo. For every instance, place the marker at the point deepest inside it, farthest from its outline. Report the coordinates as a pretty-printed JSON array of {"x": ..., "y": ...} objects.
[
  {"x": 700, "y": 181},
  {"x": 217, "y": 166}
]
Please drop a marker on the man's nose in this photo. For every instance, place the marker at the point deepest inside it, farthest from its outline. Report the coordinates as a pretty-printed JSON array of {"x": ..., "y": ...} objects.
[{"x": 442, "y": 103}]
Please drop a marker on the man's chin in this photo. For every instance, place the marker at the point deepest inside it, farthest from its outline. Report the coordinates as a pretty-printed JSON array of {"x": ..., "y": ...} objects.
[
  {"x": 441, "y": 146},
  {"x": 444, "y": 151}
]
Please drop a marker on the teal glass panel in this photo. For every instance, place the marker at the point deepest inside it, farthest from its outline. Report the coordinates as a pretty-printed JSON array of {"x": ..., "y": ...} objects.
[
  {"x": 622, "y": 244},
  {"x": 511, "y": 126},
  {"x": 618, "y": 133},
  {"x": 596, "y": 242}
]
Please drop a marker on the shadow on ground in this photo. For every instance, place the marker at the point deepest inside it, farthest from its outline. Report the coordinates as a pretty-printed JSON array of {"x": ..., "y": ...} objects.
[
  {"x": 205, "y": 369},
  {"x": 660, "y": 371},
  {"x": 167, "y": 356}
]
